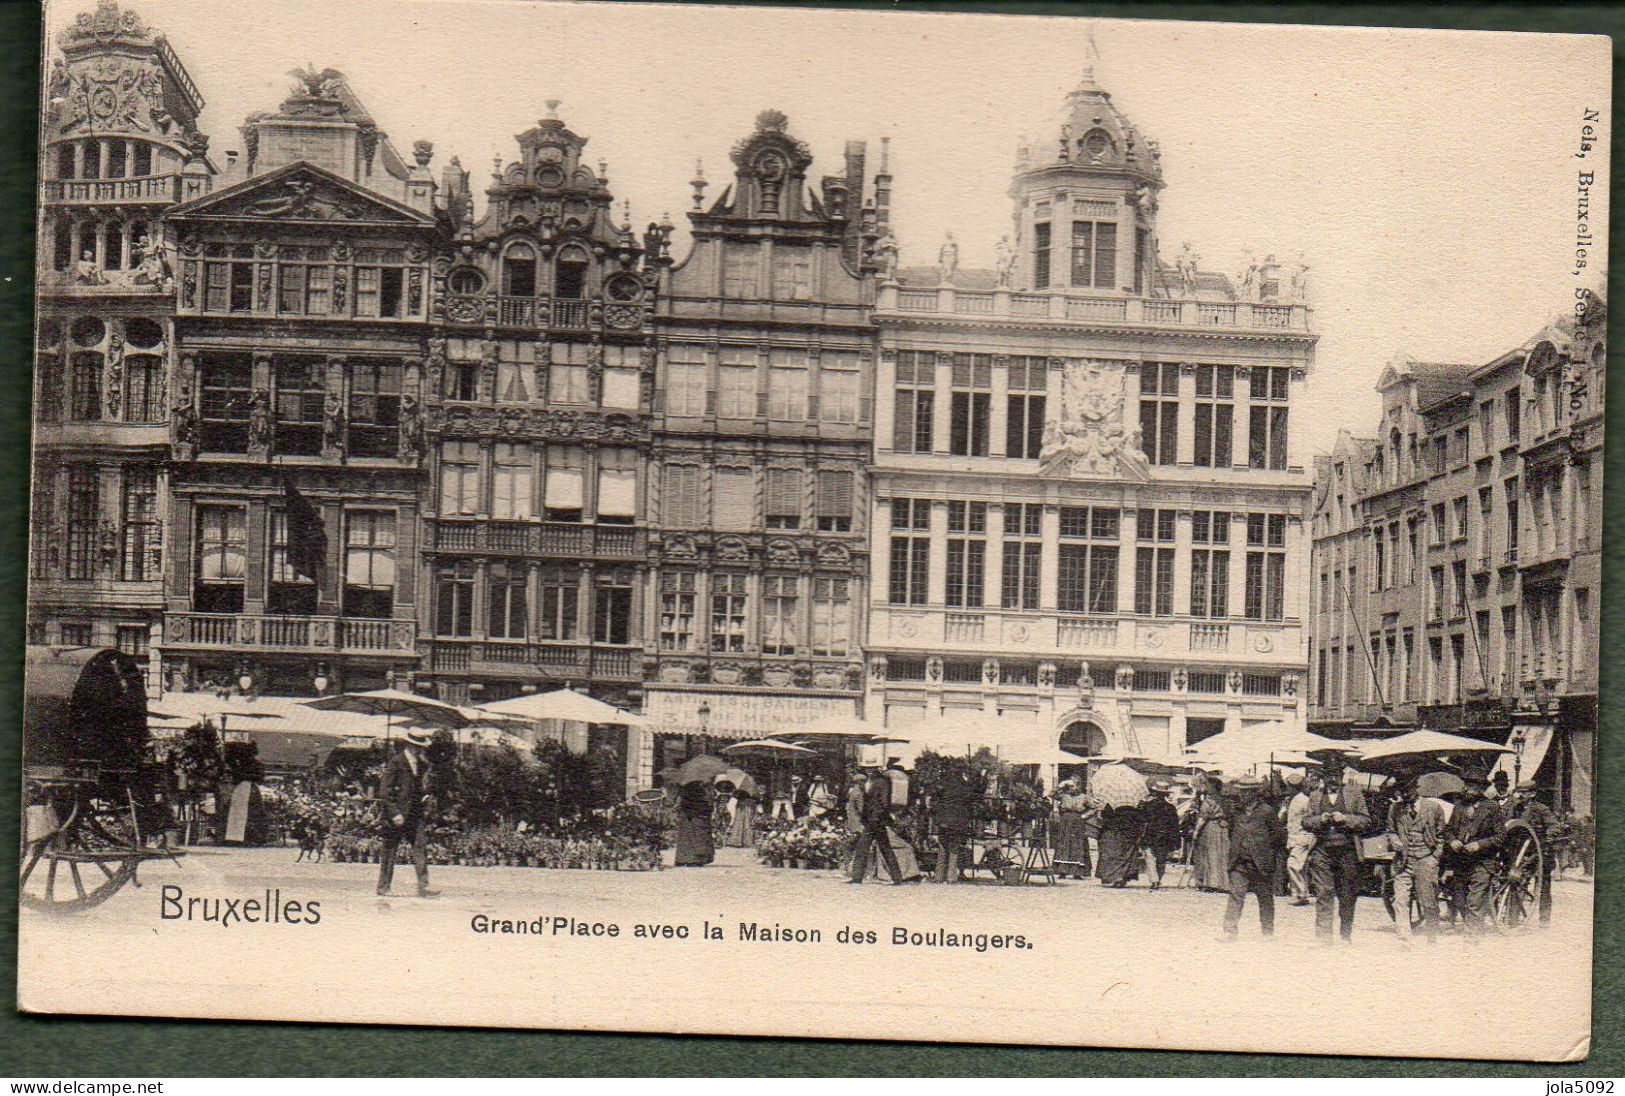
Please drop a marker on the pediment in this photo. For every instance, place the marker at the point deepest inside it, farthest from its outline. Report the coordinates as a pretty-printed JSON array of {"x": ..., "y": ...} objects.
[{"x": 301, "y": 193}]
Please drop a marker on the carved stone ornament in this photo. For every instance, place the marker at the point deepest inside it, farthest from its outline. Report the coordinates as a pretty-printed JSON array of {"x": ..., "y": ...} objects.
[
  {"x": 834, "y": 555},
  {"x": 933, "y": 670},
  {"x": 1090, "y": 435},
  {"x": 877, "y": 668},
  {"x": 674, "y": 673},
  {"x": 1263, "y": 644},
  {"x": 1289, "y": 685},
  {"x": 727, "y": 673},
  {"x": 1125, "y": 678},
  {"x": 990, "y": 671},
  {"x": 1235, "y": 680},
  {"x": 1046, "y": 675},
  {"x": 783, "y": 552},
  {"x": 732, "y": 549},
  {"x": 678, "y": 546}
]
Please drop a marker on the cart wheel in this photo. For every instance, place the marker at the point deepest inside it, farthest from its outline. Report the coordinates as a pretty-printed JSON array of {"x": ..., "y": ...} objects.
[
  {"x": 65, "y": 871},
  {"x": 1517, "y": 891}
]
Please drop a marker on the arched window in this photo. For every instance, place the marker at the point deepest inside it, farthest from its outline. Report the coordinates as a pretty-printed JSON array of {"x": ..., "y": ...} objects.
[
  {"x": 91, "y": 165},
  {"x": 62, "y": 243},
  {"x": 467, "y": 280},
  {"x": 112, "y": 245},
  {"x": 142, "y": 164},
  {"x": 570, "y": 274},
  {"x": 519, "y": 271},
  {"x": 64, "y": 160},
  {"x": 117, "y": 161}
]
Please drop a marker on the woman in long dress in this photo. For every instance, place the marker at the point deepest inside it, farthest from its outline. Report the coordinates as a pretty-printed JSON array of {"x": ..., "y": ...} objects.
[
  {"x": 1120, "y": 832},
  {"x": 742, "y": 827},
  {"x": 1072, "y": 809},
  {"x": 1211, "y": 838},
  {"x": 695, "y": 846}
]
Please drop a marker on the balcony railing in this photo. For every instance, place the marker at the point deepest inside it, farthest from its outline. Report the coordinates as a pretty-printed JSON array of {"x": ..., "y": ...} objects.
[
  {"x": 289, "y": 632},
  {"x": 570, "y": 313},
  {"x": 532, "y": 538},
  {"x": 516, "y": 311},
  {"x": 150, "y": 188},
  {"x": 555, "y": 659},
  {"x": 963, "y": 628},
  {"x": 1084, "y": 632},
  {"x": 1210, "y": 637},
  {"x": 1066, "y": 305}
]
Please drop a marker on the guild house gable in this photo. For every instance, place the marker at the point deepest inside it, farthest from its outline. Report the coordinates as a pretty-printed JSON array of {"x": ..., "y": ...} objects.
[{"x": 301, "y": 193}]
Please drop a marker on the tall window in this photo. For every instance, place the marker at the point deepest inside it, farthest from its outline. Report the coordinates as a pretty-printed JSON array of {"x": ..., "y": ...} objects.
[
  {"x": 612, "y": 611},
  {"x": 1215, "y": 414},
  {"x": 1159, "y": 411},
  {"x": 1088, "y": 560},
  {"x": 1512, "y": 413},
  {"x": 832, "y": 616},
  {"x": 729, "y": 611},
  {"x": 1154, "y": 562},
  {"x": 1210, "y": 565},
  {"x": 1024, "y": 423},
  {"x": 1458, "y": 589},
  {"x": 286, "y": 591},
  {"x": 454, "y": 601},
  {"x": 622, "y": 381},
  {"x": 561, "y": 591},
  {"x": 519, "y": 271},
  {"x": 617, "y": 486},
  {"x": 910, "y": 551},
  {"x": 380, "y": 282},
  {"x": 459, "y": 477},
  {"x": 570, "y": 274},
  {"x": 513, "y": 382},
  {"x": 736, "y": 383},
  {"x": 228, "y": 278},
  {"x": 967, "y": 553},
  {"x": 507, "y": 594},
  {"x": 300, "y": 390},
  {"x": 1267, "y": 422},
  {"x": 971, "y": 407},
  {"x": 682, "y": 504},
  {"x": 1379, "y": 561},
  {"x": 1266, "y": 567},
  {"x": 222, "y": 559},
  {"x": 567, "y": 373},
  {"x": 784, "y": 498},
  {"x": 304, "y": 280},
  {"x": 677, "y": 610},
  {"x": 1458, "y": 509},
  {"x": 741, "y": 266},
  {"x": 144, "y": 388},
  {"x": 1094, "y": 254},
  {"x": 83, "y": 512},
  {"x": 838, "y": 386},
  {"x": 781, "y": 609},
  {"x": 1436, "y": 593},
  {"x": 1041, "y": 253},
  {"x": 733, "y": 499},
  {"x": 141, "y": 550},
  {"x": 686, "y": 388},
  {"x": 564, "y": 490},
  {"x": 1511, "y": 493},
  {"x": 86, "y": 396},
  {"x": 787, "y": 385},
  {"x": 462, "y": 380},
  {"x": 369, "y": 563},
  {"x": 916, "y": 401},
  {"x": 512, "y": 481},
  {"x": 375, "y": 408},
  {"x": 1023, "y": 554},
  {"x": 833, "y": 504},
  {"x": 1511, "y": 666}
]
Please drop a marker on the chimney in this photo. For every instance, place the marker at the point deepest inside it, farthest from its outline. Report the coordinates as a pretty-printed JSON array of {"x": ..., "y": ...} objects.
[
  {"x": 852, "y": 241},
  {"x": 883, "y": 189}
]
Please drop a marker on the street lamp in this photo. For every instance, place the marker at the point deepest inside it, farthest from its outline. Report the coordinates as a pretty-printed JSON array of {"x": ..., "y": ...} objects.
[{"x": 705, "y": 726}]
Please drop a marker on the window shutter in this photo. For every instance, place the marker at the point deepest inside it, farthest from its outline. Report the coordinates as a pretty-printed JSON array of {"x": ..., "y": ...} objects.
[
  {"x": 784, "y": 491},
  {"x": 834, "y": 494},
  {"x": 734, "y": 501}
]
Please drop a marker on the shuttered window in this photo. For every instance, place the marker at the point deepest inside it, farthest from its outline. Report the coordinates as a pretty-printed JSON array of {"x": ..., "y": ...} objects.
[
  {"x": 733, "y": 503},
  {"x": 834, "y": 502},
  {"x": 680, "y": 505},
  {"x": 784, "y": 498}
]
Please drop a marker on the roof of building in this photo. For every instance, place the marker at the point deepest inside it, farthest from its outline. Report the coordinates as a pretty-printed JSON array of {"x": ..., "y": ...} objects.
[{"x": 1210, "y": 285}]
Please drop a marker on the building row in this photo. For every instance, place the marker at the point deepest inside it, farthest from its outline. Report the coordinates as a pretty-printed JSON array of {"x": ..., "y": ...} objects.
[
  {"x": 310, "y": 419},
  {"x": 1456, "y": 559}
]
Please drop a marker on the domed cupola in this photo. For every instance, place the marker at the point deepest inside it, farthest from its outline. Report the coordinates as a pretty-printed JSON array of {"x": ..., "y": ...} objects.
[{"x": 1086, "y": 200}]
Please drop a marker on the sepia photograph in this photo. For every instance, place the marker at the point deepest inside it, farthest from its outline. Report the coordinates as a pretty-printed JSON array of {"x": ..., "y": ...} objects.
[{"x": 595, "y": 516}]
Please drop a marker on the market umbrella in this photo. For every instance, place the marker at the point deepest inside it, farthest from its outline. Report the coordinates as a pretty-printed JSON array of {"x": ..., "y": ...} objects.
[
  {"x": 1439, "y": 784},
  {"x": 1417, "y": 747},
  {"x": 740, "y": 779},
  {"x": 1117, "y": 785},
  {"x": 705, "y": 767},
  {"x": 843, "y": 727},
  {"x": 565, "y": 704},
  {"x": 390, "y": 703},
  {"x": 768, "y": 747},
  {"x": 1037, "y": 753}
]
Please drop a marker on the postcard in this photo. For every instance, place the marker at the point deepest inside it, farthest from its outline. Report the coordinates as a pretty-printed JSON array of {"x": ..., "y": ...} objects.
[{"x": 945, "y": 527}]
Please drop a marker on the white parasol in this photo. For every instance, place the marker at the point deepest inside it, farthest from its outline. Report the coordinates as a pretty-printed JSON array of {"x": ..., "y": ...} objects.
[{"x": 1117, "y": 786}]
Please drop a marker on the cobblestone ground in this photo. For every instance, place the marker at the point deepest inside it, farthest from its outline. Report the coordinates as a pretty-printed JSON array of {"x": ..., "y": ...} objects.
[{"x": 1092, "y": 965}]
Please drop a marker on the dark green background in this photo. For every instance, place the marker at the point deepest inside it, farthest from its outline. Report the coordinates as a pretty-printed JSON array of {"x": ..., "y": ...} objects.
[{"x": 62, "y": 1048}]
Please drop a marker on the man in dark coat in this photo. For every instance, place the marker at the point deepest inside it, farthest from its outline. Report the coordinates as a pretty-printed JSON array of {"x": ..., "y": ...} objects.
[
  {"x": 953, "y": 810},
  {"x": 405, "y": 792},
  {"x": 1161, "y": 831},
  {"x": 876, "y": 829},
  {"x": 1473, "y": 847},
  {"x": 1337, "y": 816},
  {"x": 1257, "y": 844}
]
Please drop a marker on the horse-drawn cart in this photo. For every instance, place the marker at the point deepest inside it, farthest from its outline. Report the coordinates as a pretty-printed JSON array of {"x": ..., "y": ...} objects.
[{"x": 91, "y": 797}]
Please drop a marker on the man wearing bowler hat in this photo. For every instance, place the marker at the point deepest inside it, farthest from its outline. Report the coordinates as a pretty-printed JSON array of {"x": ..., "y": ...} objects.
[
  {"x": 1337, "y": 816},
  {"x": 1473, "y": 844},
  {"x": 404, "y": 789}
]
